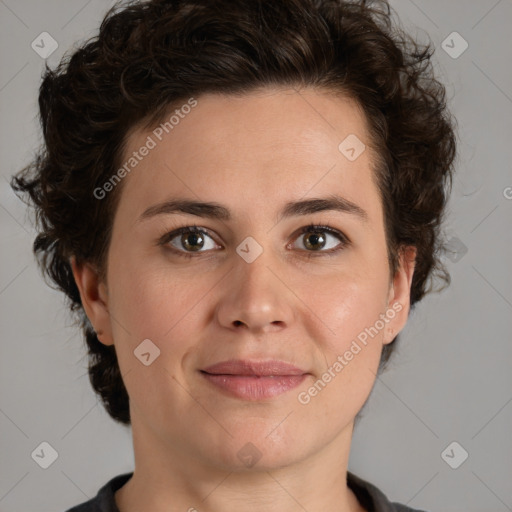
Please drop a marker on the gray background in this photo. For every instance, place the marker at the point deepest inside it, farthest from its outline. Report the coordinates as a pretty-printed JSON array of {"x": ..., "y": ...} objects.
[{"x": 449, "y": 381}]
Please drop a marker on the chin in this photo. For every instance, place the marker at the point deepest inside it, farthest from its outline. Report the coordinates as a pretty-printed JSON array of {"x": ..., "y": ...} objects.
[{"x": 258, "y": 451}]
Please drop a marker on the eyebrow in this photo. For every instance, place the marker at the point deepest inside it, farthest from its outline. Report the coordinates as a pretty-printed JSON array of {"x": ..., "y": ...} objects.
[{"x": 212, "y": 210}]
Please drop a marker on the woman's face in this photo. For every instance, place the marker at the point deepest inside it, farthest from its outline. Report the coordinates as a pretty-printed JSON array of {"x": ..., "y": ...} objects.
[{"x": 255, "y": 287}]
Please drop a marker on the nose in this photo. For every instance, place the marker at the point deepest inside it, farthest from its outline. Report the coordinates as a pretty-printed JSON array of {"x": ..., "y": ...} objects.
[{"x": 256, "y": 296}]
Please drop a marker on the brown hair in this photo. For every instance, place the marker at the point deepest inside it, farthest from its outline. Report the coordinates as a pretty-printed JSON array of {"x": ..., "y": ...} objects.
[{"x": 149, "y": 55}]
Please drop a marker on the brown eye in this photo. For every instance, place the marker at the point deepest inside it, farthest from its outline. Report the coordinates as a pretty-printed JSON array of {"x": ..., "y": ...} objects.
[
  {"x": 314, "y": 240},
  {"x": 192, "y": 241},
  {"x": 322, "y": 239},
  {"x": 189, "y": 240}
]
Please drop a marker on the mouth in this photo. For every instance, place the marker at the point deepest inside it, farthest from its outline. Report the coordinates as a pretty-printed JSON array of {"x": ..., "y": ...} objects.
[
  {"x": 254, "y": 380},
  {"x": 254, "y": 368}
]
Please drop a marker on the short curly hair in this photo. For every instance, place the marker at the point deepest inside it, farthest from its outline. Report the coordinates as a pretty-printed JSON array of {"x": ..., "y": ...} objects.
[{"x": 150, "y": 56}]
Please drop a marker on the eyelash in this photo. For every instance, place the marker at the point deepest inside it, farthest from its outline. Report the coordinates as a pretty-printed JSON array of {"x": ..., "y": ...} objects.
[{"x": 344, "y": 241}]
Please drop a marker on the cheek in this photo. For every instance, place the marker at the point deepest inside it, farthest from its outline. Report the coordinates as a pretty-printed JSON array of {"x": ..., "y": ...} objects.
[
  {"x": 349, "y": 302},
  {"x": 349, "y": 352},
  {"x": 154, "y": 303}
]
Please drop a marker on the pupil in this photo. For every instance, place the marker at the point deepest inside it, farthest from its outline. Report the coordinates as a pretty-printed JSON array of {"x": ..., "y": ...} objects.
[
  {"x": 317, "y": 238},
  {"x": 195, "y": 237}
]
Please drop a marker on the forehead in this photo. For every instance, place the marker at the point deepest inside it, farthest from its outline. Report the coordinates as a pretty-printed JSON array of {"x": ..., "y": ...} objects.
[{"x": 253, "y": 152}]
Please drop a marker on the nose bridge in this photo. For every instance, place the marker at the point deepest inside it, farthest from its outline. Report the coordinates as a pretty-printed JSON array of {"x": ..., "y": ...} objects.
[
  {"x": 255, "y": 294},
  {"x": 254, "y": 279}
]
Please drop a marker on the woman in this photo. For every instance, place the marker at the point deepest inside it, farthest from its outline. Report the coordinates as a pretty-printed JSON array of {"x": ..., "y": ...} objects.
[{"x": 242, "y": 202}]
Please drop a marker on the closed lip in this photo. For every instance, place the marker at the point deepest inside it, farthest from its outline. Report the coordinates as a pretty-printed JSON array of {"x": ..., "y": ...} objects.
[{"x": 257, "y": 368}]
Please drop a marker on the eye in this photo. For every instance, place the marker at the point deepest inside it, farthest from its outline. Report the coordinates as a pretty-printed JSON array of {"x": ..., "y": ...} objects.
[
  {"x": 315, "y": 238},
  {"x": 188, "y": 240},
  {"x": 191, "y": 239}
]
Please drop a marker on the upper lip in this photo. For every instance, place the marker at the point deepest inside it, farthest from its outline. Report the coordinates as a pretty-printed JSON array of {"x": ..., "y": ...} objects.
[{"x": 246, "y": 367}]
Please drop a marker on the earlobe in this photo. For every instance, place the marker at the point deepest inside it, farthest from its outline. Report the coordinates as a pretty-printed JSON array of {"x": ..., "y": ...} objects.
[{"x": 94, "y": 296}]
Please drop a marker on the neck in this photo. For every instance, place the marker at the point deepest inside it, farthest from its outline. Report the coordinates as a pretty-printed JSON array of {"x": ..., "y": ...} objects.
[{"x": 166, "y": 476}]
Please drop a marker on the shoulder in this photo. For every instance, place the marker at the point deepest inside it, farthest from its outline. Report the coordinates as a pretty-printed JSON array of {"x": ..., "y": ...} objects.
[
  {"x": 372, "y": 498},
  {"x": 104, "y": 501}
]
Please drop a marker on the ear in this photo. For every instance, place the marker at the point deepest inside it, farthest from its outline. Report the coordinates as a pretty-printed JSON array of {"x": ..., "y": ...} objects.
[
  {"x": 94, "y": 295},
  {"x": 400, "y": 293}
]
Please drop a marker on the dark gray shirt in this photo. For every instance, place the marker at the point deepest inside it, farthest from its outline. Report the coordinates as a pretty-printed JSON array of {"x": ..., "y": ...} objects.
[{"x": 371, "y": 498}]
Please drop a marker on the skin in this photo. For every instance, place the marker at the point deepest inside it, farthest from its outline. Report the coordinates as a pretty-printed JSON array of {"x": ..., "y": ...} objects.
[{"x": 251, "y": 154}]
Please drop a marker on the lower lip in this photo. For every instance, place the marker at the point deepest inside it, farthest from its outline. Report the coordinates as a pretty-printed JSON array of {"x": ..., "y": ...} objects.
[{"x": 251, "y": 387}]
